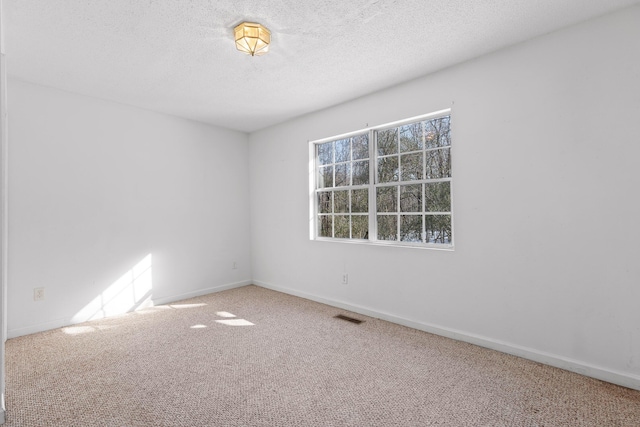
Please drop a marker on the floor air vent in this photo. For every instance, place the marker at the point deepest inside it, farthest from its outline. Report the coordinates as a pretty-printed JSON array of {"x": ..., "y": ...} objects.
[{"x": 348, "y": 319}]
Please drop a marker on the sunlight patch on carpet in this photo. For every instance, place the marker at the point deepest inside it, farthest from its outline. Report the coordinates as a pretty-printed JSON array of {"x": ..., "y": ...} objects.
[{"x": 235, "y": 322}]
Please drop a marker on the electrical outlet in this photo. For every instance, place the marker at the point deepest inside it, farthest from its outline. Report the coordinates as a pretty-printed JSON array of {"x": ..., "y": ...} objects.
[
  {"x": 235, "y": 265},
  {"x": 38, "y": 294},
  {"x": 345, "y": 278}
]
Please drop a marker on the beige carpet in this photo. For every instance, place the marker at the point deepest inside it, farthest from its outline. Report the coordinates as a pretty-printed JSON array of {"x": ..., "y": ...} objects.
[{"x": 286, "y": 361}]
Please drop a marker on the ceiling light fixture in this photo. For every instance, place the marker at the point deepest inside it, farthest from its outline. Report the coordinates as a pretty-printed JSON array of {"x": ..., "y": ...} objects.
[{"x": 252, "y": 39}]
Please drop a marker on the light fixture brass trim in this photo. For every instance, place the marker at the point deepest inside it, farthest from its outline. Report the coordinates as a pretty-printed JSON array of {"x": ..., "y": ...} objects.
[{"x": 252, "y": 38}]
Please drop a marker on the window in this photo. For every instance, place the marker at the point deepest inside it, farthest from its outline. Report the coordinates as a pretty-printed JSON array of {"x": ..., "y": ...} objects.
[
  {"x": 343, "y": 188},
  {"x": 390, "y": 184}
]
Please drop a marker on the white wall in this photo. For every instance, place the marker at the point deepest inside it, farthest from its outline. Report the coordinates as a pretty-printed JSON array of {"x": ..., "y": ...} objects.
[
  {"x": 97, "y": 186},
  {"x": 546, "y": 150}
]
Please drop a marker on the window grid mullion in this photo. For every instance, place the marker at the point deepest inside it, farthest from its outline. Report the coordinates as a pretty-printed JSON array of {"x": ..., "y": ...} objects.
[
  {"x": 373, "y": 173},
  {"x": 333, "y": 212},
  {"x": 398, "y": 212},
  {"x": 423, "y": 233},
  {"x": 349, "y": 191},
  {"x": 351, "y": 165},
  {"x": 333, "y": 163},
  {"x": 350, "y": 180}
]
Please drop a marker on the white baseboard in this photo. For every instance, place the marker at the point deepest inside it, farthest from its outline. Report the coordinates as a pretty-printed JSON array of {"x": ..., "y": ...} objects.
[
  {"x": 38, "y": 327},
  {"x": 620, "y": 378},
  {"x": 60, "y": 323},
  {"x": 199, "y": 292}
]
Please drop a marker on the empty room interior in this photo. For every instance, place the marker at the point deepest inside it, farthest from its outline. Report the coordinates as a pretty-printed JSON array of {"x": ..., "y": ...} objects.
[{"x": 193, "y": 190}]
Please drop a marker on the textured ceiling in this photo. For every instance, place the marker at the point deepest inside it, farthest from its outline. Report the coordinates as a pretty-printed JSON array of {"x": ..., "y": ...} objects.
[{"x": 178, "y": 56}]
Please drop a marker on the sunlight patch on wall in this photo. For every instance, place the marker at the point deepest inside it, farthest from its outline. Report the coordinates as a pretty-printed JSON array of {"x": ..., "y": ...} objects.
[{"x": 132, "y": 291}]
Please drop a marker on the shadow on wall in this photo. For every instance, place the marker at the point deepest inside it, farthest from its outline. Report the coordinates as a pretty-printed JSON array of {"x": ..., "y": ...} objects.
[{"x": 132, "y": 291}]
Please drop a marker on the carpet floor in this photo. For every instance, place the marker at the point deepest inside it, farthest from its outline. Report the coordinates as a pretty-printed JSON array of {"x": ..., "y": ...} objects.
[{"x": 255, "y": 357}]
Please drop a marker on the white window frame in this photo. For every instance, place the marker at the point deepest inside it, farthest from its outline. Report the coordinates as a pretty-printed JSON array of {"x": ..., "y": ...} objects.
[{"x": 372, "y": 131}]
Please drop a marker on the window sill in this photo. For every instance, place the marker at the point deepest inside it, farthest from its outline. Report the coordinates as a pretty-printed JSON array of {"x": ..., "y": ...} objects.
[{"x": 393, "y": 244}]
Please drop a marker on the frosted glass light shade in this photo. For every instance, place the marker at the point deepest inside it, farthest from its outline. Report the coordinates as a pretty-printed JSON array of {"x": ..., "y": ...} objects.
[{"x": 252, "y": 39}]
